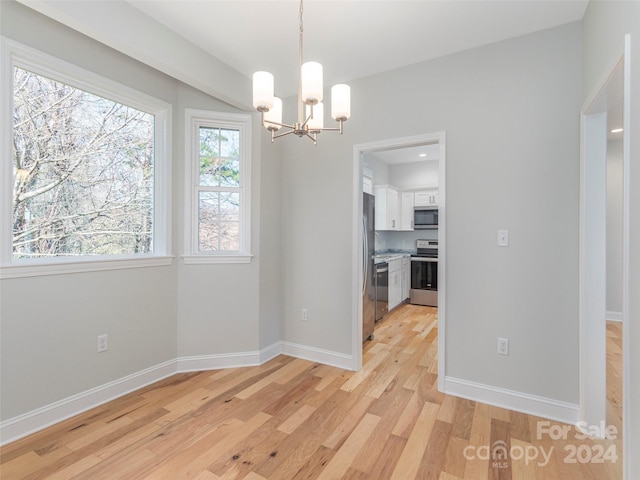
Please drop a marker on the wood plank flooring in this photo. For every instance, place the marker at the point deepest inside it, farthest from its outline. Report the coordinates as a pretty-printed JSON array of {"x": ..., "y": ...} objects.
[
  {"x": 296, "y": 419},
  {"x": 614, "y": 378}
]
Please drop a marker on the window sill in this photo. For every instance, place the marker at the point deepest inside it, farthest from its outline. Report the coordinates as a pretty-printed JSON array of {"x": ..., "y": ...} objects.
[
  {"x": 67, "y": 266},
  {"x": 211, "y": 259}
]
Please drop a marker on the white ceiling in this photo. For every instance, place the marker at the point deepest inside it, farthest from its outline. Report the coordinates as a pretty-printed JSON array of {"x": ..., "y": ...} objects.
[
  {"x": 351, "y": 38},
  {"x": 614, "y": 104}
]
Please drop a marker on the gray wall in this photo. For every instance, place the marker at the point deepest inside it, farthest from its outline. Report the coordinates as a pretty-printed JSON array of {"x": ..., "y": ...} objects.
[
  {"x": 268, "y": 227},
  {"x": 510, "y": 114},
  {"x": 49, "y": 325},
  {"x": 614, "y": 227},
  {"x": 379, "y": 168},
  {"x": 215, "y": 302},
  {"x": 408, "y": 176}
]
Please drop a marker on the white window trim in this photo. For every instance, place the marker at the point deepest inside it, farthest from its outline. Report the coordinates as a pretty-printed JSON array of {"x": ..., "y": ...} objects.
[
  {"x": 16, "y": 54},
  {"x": 193, "y": 120}
]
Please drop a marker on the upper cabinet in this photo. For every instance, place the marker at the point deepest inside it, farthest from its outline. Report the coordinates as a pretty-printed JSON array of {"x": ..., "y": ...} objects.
[
  {"x": 387, "y": 205},
  {"x": 395, "y": 209},
  {"x": 367, "y": 179},
  {"x": 406, "y": 211},
  {"x": 426, "y": 198},
  {"x": 367, "y": 184}
]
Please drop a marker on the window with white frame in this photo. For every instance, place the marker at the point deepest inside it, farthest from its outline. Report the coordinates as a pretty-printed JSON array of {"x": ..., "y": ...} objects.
[
  {"x": 218, "y": 176},
  {"x": 85, "y": 166}
]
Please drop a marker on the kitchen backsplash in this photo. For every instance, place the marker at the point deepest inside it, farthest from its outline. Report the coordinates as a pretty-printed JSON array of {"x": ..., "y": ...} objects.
[{"x": 402, "y": 241}]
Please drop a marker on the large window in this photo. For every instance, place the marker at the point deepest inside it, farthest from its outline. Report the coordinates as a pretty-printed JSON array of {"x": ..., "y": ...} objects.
[
  {"x": 218, "y": 185},
  {"x": 87, "y": 158}
]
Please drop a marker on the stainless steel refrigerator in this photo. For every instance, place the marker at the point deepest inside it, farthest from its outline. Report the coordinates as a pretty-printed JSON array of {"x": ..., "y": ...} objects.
[{"x": 368, "y": 267}]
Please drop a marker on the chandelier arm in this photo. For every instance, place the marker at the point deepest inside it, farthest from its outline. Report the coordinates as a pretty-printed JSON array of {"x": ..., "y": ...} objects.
[
  {"x": 331, "y": 129},
  {"x": 281, "y": 124},
  {"x": 275, "y": 123},
  {"x": 308, "y": 118},
  {"x": 282, "y": 134},
  {"x": 314, "y": 138}
]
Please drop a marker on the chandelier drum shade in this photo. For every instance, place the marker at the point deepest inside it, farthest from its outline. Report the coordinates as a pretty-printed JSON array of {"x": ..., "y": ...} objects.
[{"x": 310, "y": 95}]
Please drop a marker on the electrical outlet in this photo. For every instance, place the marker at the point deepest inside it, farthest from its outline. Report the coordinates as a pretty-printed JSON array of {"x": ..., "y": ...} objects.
[
  {"x": 305, "y": 315},
  {"x": 503, "y": 346},
  {"x": 103, "y": 343}
]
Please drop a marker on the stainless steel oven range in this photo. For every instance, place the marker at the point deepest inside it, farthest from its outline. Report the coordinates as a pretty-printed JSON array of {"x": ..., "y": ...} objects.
[{"x": 424, "y": 274}]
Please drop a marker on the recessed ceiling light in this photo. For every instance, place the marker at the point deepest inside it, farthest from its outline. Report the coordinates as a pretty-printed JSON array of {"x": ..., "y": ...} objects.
[
  {"x": 422, "y": 155},
  {"x": 616, "y": 130}
]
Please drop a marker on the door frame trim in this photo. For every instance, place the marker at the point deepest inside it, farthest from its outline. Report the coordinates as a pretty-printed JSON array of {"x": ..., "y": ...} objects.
[{"x": 587, "y": 114}]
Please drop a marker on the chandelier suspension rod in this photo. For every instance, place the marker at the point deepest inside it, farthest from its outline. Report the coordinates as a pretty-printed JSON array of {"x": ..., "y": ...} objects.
[{"x": 300, "y": 103}]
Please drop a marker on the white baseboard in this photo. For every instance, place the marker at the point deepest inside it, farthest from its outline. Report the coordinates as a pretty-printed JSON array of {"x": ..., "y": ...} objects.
[
  {"x": 614, "y": 316},
  {"x": 512, "y": 400},
  {"x": 228, "y": 360},
  {"x": 30, "y": 422},
  {"x": 327, "y": 357},
  {"x": 270, "y": 352}
]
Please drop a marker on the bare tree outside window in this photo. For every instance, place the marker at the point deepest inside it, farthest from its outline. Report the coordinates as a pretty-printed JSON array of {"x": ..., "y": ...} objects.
[
  {"x": 219, "y": 189},
  {"x": 83, "y": 172}
]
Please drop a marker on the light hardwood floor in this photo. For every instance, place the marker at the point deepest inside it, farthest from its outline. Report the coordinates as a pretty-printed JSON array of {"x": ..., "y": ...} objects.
[
  {"x": 295, "y": 419},
  {"x": 614, "y": 378}
]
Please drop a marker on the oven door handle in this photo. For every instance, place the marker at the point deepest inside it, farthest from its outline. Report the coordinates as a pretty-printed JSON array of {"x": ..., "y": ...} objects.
[{"x": 424, "y": 259}]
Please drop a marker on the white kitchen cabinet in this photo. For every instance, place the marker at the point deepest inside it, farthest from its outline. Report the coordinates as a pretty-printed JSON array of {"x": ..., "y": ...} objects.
[
  {"x": 426, "y": 198},
  {"x": 395, "y": 283},
  {"x": 406, "y": 277},
  {"x": 406, "y": 211},
  {"x": 386, "y": 207},
  {"x": 367, "y": 184}
]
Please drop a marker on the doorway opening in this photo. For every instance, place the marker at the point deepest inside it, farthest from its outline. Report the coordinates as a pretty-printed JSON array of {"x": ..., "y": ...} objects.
[{"x": 433, "y": 140}]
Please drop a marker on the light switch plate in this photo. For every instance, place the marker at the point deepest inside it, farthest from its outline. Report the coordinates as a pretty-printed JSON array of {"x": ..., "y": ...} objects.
[
  {"x": 103, "y": 343},
  {"x": 503, "y": 238}
]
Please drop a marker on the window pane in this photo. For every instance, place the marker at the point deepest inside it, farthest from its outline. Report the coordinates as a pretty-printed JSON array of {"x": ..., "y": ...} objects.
[
  {"x": 83, "y": 168},
  {"x": 219, "y": 157},
  {"x": 219, "y": 221}
]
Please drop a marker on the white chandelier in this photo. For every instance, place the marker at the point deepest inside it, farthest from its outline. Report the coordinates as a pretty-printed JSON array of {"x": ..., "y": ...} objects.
[{"x": 310, "y": 109}]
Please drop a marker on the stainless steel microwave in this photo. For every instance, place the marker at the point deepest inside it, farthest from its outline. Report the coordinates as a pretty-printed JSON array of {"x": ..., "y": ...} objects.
[{"x": 425, "y": 218}]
